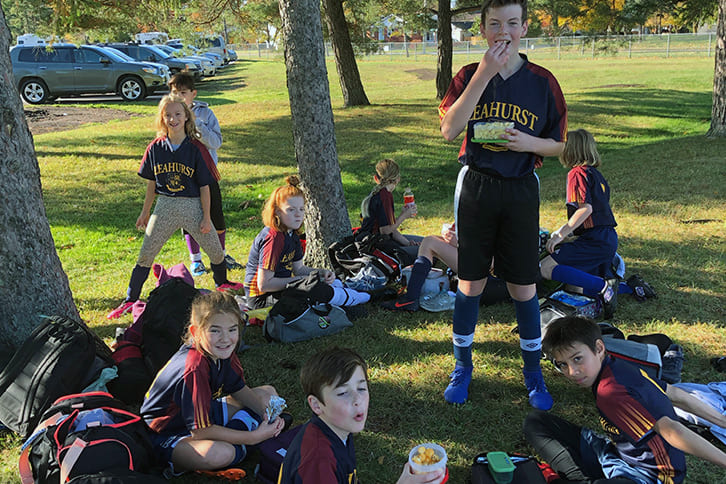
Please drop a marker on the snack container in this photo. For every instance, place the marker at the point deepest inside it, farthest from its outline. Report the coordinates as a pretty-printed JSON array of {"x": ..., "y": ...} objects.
[
  {"x": 445, "y": 229},
  {"x": 501, "y": 467},
  {"x": 438, "y": 450}
]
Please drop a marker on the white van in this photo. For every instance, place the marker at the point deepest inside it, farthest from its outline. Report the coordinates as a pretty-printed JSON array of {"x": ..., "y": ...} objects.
[
  {"x": 215, "y": 44},
  {"x": 30, "y": 39},
  {"x": 152, "y": 37}
]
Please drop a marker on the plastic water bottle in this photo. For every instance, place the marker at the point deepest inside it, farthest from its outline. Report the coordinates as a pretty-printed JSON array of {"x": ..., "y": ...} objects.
[{"x": 408, "y": 199}]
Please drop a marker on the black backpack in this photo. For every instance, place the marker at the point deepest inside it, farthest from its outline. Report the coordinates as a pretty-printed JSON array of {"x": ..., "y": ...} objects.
[
  {"x": 355, "y": 252},
  {"x": 145, "y": 346},
  {"x": 61, "y": 356},
  {"x": 165, "y": 318},
  {"x": 85, "y": 434},
  {"x": 527, "y": 470}
]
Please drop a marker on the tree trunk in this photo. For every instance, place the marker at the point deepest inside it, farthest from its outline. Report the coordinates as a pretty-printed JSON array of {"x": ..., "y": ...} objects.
[
  {"x": 443, "y": 69},
  {"x": 350, "y": 83},
  {"x": 326, "y": 215},
  {"x": 718, "y": 110},
  {"x": 32, "y": 281}
]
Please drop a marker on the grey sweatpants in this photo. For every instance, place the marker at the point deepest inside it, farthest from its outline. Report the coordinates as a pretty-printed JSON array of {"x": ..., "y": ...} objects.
[{"x": 171, "y": 214}]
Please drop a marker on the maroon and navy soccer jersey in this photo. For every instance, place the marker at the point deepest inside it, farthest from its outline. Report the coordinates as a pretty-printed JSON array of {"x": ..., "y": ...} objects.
[
  {"x": 180, "y": 398},
  {"x": 531, "y": 98},
  {"x": 585, "y": 184},
  {"x": 274, "y": 251},
  {"x": 180, "y": 172},
  {"x": 318, "y": 456},
  {"x": 378, "y": 213},
  {"x": 630, "y": 403}
]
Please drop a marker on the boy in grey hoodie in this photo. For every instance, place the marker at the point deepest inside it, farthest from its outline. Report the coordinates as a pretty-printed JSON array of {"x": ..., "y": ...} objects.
[{"x": 182, "y": 84}]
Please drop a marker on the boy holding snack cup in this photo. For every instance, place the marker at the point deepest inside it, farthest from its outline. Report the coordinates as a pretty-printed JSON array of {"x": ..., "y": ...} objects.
[
  {"x": 335, "y": 381},
  {"x": 497, "y": 191}
]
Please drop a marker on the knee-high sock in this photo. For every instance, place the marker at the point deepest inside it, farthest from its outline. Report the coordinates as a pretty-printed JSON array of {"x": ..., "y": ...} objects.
[
  {"x": 219, "y": 273},
  {"x": 466, "y": 313},
  {"x": 194, "y": 254},
  {"x": 591, "y": 285},
  {"x": 138, "y": 277},
  {"x": 420, "y": 270},
  {"x": 343, "y": 296},
  {"x": 530, "y": 334}
]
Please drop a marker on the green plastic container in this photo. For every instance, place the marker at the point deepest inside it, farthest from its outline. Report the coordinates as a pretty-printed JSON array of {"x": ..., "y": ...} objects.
[{"x": 501, "y": 467}]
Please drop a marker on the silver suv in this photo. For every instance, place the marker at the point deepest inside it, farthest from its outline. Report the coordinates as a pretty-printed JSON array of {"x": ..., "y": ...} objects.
[{"x": 44, "y": 73}]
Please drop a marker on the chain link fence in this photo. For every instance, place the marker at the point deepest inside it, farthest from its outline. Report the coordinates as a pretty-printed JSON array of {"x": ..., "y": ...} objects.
[{"x": 566, "y": 47}]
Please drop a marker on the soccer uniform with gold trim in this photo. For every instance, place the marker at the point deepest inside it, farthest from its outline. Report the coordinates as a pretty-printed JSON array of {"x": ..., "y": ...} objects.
[
  {"x": 531, "y": 98},
  {"x": 379, "y": 211},
  {"x": 497, "y": 194},
  {"x": 178, "y": 172},
  {"x": 318, "y": 456},
  {"x": 274, "y": 251},
  {"x": 180, "y": 398},
  {"x": 630, "y": 403}
]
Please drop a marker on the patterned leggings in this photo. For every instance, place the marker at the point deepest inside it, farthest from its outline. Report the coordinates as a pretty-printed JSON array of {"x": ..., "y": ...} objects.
[{"x": 171, "y": 214}]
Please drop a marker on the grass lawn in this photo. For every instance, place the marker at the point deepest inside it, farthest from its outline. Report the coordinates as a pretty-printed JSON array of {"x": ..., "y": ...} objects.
[{"x": 649, "y": 117}]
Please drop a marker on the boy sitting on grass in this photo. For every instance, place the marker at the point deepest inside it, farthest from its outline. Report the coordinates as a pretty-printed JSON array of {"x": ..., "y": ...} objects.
[
  {"x": 646, "y": 442},
  {"x": 335, "y": 381}
]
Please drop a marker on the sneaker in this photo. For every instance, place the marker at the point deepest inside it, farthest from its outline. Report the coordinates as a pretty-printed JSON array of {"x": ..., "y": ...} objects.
[
  {"x": 123, "y": 308},
  {"x": 231, "y": 263},
  {"x": 401, "y": 304},
  {"x": 230, "y": 286},
  {"x": 443, "y": 301},
  {"x": 197, "y": 269},
  {"x": 231, "y": 474},
  {"x": 609, "y": 298},
  {"x": 458, "y": 389},
  {"x": 539, "y": 397},
  {"x": 641, "y": 289},
  {"x": 672, "y": 364}
]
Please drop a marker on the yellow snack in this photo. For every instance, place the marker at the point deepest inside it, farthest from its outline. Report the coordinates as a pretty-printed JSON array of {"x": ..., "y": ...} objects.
[{"x": 425, "y": 456}]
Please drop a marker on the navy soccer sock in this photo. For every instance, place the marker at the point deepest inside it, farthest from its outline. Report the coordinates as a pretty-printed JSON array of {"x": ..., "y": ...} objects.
[
  {"x": 591, "y": 285},
  {"x": 466, "y": 313},
  {"x": 530, "y": 334},
  {"x": 420, "y": 270},
  {"x": 138, "y": 276},
  {"x": 219, "y": 273}
]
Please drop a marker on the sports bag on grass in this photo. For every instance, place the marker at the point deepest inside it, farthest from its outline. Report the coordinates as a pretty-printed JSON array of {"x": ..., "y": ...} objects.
[
  {"x": 59, "y": 357},
  {"x": 527, "y": 470},
  {"x": 317, "y": 320},
  {"x": 84, "y": 434},
  {"x": 272, "y": 453},
  {"x": 564, "y": 303},
  {"x": 643, "y": 356}
]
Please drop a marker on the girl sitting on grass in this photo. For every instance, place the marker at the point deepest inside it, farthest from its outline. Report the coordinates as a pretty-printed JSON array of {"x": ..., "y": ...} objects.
[
  {"x": 276, "y": 254},
  {"x": 378, "y": 213},
  {"x": 179, "y": 169},
  {"x": 590, "y": 218},
  {"x": 200, "y": 409}
]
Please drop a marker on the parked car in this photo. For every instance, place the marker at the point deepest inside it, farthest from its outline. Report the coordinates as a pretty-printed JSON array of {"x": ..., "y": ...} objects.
[
  {"x": 208, "y": 68},
  {"x": 232, "y": 54},
  {"x": 216, "y": 58},
  {"x": 151, "y": 53},
  {"x": 42, "y": 74},
  {"x": 162, "y": 67}
]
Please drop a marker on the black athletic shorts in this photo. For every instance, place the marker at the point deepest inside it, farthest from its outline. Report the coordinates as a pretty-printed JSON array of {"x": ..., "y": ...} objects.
[
  {"x": 215, "y": 208},
  {"x": 497, "y": 218}
]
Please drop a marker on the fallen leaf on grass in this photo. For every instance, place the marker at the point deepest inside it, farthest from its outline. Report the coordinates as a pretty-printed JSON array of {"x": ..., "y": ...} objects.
[{"x": 66, "y": 246}]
